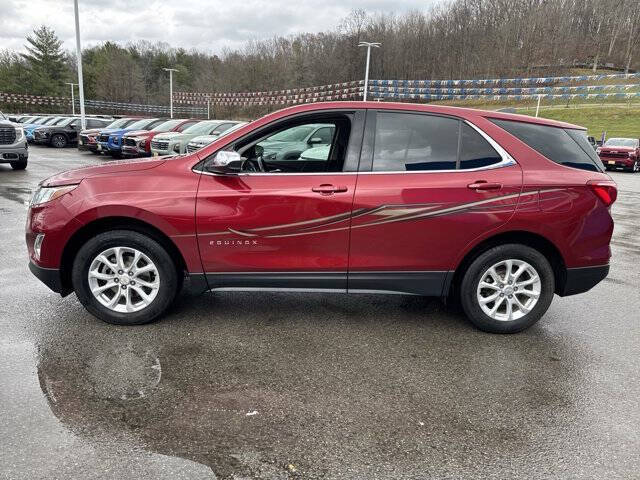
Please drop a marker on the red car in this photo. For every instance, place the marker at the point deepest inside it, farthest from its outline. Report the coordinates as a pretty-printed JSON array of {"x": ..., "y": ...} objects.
[
  {"x": 138, "y": 143},
  {"x": 500, "y": 210},
  {"x": 621, "y": 153},
  {"x": 88, "y": 139}
]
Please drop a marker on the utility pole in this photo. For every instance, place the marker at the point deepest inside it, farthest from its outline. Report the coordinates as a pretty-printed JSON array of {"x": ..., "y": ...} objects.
[
  {"x": 366, "y": 70},
  {"x": 170, "y": 70},
  {"x": 73, "y": 101},
  {"x": 83, "y": 120}
]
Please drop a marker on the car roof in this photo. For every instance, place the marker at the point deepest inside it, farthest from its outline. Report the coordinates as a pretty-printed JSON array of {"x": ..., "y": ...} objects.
[{"x": 419, "y": 107}]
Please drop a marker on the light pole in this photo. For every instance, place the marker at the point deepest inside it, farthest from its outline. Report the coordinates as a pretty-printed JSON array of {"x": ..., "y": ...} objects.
[
  {"x": 73, "y": 101},
  {"x": 170, "y": 70},
  {"x": 366, "y": 71},
  {"x": 83, "y": 121}
]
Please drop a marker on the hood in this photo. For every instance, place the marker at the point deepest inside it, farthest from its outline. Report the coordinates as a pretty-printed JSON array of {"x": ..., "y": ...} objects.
[
  {"x": 206, "y": 139},
  {"x": 613, "y": 148},
  {"x": 90, "y": 131},
  {"x": 138, "y": 133},
  {"x": 75, "y": 176},
  {"x": 169, "y": 136}
]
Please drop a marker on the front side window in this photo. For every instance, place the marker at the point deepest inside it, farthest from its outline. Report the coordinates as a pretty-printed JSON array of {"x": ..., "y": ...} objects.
[
  {"x": 565, "y": 146},
  {"x": 313, "y": 145}
]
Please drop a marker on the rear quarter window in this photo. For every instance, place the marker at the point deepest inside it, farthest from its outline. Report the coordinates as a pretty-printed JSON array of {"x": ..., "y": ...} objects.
[{"x": 565, "y": 146}]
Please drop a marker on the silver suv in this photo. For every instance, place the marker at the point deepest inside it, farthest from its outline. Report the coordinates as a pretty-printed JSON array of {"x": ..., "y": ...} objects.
[{"x": 13, "y": 144}]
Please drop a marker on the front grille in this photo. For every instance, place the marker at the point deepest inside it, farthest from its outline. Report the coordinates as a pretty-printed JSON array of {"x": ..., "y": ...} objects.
[
  {"x": 7, "y": 135},
  {"x": 87, "y": 139},
  {"x": 159, "y": 144},
  {"x": 615, "y": 155},
  {"x": 192, "y": 148},
  {"x": 104, "y": 138},
  {"x": 129, "y": 142}
]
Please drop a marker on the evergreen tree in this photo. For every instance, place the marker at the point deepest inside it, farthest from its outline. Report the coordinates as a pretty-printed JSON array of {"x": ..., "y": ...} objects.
[{"x": 46, "y": 62}]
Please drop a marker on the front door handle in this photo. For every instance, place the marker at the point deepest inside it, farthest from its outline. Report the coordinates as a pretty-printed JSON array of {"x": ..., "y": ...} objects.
[
  {"x": 484, "y": 185},
  {"x": 328, "y": 189}
]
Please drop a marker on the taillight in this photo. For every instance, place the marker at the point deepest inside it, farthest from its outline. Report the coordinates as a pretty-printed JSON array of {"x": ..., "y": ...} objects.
[{"x": 604, "y": 190}]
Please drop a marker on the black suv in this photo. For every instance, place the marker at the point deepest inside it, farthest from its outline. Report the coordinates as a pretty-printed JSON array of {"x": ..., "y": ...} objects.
[{"x": 66, "y": 132}]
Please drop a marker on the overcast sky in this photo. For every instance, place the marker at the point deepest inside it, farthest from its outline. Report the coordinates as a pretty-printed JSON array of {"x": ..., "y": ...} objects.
[{"x": 207, "y": 25}]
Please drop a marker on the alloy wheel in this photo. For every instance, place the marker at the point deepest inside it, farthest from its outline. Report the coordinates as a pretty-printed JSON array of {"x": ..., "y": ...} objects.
[
  {"x": 123, "y": 279},
  {"x": 509, "y": 290}
]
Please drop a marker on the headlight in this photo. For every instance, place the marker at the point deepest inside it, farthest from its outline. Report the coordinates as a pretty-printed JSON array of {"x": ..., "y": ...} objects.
[
  {"x": 46, "y": 194},
  {"x": 19, "y": 134},
  {"x": 632, "y": 154},
  {"x": 598, "y": 150}
]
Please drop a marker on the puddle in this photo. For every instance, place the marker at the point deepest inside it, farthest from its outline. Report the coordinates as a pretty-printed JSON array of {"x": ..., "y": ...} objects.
[{"x": 16, "y": 194}]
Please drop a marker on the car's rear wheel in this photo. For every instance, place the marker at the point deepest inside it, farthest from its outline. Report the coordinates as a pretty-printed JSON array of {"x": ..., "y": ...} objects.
[
  {"x": 124, "y": 277},
  {"x": 507, "y": 288},
  {"x": 58, "y": 141}
]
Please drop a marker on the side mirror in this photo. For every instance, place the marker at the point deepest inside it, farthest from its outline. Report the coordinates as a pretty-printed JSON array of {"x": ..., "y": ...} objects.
[
  {"x": 314, "y": 140},
  {"x": 225, "y": 163}
]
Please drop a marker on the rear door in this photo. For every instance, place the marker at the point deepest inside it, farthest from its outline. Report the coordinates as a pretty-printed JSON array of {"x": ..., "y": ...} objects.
[{"x": 428, "y": 185}]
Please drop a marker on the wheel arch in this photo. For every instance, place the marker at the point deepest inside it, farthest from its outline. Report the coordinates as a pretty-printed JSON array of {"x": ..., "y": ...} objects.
[
  {"x": 530, "y": 239},
  {"x": 105, "y": 224}
]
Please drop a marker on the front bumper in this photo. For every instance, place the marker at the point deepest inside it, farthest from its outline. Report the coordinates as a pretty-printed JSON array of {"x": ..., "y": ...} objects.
[
  {"x": 583, "y": 279},
  {"x": 50, "y": 277},
  {"x": 18, "y": 152},
  {"x": 618, "y": 162}
]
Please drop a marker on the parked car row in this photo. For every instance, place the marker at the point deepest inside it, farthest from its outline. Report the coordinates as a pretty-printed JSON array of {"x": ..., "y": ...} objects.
[{"x": 145, "y": 137}]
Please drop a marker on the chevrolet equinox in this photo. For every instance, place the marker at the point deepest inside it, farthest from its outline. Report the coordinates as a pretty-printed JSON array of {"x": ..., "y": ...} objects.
[{"x": 500, "y": 211}]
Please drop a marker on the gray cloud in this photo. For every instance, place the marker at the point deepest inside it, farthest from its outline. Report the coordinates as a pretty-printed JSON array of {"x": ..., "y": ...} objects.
[{"x": 207, "y": 25}]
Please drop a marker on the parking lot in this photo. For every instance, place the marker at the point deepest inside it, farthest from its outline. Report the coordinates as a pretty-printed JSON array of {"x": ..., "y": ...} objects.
[{"x": 260, "y": 385}]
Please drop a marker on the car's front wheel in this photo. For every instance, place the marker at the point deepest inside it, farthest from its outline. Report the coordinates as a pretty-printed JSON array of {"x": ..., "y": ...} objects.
[
  {"x": 124, "y": 277},
  {"x": 507, "y": 288},
  {"x": 20, "y": 165}
]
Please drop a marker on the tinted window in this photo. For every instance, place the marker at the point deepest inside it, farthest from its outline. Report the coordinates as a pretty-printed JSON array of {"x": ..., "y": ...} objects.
[
  {"x": 560, "y": 145},
  {"x": 409, "y": 142},
  {"x": 222, "y": 128},
  {"x": 475, "y": 151}
]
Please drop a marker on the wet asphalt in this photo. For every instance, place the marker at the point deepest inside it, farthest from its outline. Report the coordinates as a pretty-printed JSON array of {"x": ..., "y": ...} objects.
[{"x": 277, "y": 386}]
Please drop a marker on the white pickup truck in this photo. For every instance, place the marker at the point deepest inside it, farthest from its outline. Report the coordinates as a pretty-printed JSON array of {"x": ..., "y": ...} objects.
[{"x": 13, "y": 144}]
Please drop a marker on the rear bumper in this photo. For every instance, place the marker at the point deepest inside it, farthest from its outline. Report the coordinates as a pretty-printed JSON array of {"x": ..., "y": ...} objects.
[
  {"x": 50, "y": 277},
  {"x": 580, "y": 280}
]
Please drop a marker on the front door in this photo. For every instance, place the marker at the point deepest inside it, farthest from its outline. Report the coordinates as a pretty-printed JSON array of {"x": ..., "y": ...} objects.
[
  {"x": 433, "y": 184},
  {"x": 283, "y": 221}
]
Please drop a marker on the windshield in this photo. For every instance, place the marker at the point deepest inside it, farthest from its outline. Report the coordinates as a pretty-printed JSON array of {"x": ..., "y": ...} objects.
[
  {"x": 2, "y": 117},
  {"x": 621, "y": 142},
  {"x": 140, "y": 124},
  {"x": 296, "y": 134},
  {"x": 120, "y": 123},
  {"x": 167, "y": 126},
  {"x": 201, "y": 128}
]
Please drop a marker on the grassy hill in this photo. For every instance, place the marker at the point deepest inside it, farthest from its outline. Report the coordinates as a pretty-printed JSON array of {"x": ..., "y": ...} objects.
[{"x": 617, "y": 121}]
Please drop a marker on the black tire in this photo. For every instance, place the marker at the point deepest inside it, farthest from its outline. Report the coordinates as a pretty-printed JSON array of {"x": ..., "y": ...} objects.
[
  {"x": 167, "y": 290},
  {"x": 58, "y": 140},
  {"x": 475, "y": 272},
  {"x": 19, "y": 165}
]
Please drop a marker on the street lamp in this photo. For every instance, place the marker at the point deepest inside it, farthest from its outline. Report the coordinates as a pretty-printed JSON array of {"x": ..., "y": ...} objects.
[
  {"x": 73, "y": 101},
  {"x": 366, "y": 71},
  {"x": 83, "y": 121},
  {"x": 170, "y": 70}
]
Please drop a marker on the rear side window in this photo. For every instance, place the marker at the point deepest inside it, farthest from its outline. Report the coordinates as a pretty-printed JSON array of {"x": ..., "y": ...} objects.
[
  {"x": 475, "y": 151},
  {"x": 415, "y": 142},
  {"x": 564, "y": 146}
]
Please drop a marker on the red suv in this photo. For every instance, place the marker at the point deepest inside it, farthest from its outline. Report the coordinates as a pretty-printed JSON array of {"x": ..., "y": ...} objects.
[{"x": 498, "y": 210}]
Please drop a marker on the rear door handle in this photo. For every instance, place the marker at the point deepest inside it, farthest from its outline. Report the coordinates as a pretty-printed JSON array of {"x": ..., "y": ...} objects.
[
  {"x": 328, "y": 189},
  {"x": 484, "y": 185}
]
